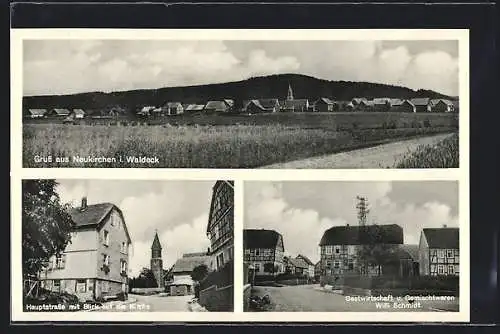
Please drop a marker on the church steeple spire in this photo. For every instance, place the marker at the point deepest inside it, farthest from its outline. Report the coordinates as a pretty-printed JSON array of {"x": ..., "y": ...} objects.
[
  {"x": 156, "y": 247},
  {"x": 289, "y": 97}
]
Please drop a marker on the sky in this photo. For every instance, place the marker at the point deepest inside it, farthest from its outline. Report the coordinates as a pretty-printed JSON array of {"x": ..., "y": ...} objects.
[
  {"x": 73, "y": 66},
  {"x": 177, "y": 209},
  {"x": 302, "y": 210}
]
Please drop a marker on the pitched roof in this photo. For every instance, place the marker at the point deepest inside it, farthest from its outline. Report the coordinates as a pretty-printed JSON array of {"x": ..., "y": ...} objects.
[
  {"x": 354, "y": 235},
  {"x": 256, "y": 103},
  {"x": 421, "y": 101},
  {"x": 359, "y": 99},
  {"x": 325, "y": 100},
  {"x": 255, "y": 238},
  {"x": 187, "y": 264},
  {"x": 444, "y": 238},
  {"x": 94, "y": 215},
  {"x": 306, "y": 259},
  {"x": 194, "y": 107},
  {"x": 269, "y": 103},
  {"x": 78, "y": 111},
  {"x": 229, "y": 102},
  {"x": 38, "y": 112},
  {"x": 217, "y": 105},
  {"x": 147, "y": 109},
  {"x": 381, "y": 101},
  {"x": 61, "y": 111},
  {"x": 396, "y": 102},
  {"x": 411, "y": 251},
  {"x": 299, "y": 263}
]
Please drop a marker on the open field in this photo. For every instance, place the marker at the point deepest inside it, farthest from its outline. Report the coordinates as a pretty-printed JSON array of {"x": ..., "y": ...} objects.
[
  {"x": 444, "y": 154},
  {"x": 220, "y": 146}
]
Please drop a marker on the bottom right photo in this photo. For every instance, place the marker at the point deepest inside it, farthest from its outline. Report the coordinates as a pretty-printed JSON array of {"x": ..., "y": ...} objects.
[{"x": 351, "y": 246}]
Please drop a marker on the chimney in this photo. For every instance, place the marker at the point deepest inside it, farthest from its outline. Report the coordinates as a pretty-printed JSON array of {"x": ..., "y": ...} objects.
[
  {"x": 445, "y": 226},
  {"x": 84, "y": 203}
]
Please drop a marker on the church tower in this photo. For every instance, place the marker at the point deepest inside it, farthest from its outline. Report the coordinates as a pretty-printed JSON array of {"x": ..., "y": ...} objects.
[
  {"x": 289, "y": 97},
  {"x": 156, "y": 261}
]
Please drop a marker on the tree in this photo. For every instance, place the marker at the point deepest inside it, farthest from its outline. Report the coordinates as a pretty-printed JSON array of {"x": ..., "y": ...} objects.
[
  {"x": 199, "y": 273},
  {"x": 46, "y": 224},
  {"x": 147, "y": 278},
  {"x": 374, "y": 252}
]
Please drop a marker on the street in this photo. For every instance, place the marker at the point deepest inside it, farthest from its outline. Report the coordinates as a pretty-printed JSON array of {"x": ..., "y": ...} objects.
[
  {"x": 152, "y": 303},
  {"x": 380, "y": 156},
  {"x": 309, "y": 298}
]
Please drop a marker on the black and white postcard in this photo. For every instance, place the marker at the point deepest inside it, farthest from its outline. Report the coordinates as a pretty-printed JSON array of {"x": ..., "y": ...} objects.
[
  {"x": 286, "y": 100},
  {"x": 127, "y": 246},
  {"x": 351, "y": 246}
]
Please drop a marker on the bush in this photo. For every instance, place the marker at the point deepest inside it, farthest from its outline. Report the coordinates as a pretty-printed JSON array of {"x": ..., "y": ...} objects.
[{"x": 220, "y": 278}]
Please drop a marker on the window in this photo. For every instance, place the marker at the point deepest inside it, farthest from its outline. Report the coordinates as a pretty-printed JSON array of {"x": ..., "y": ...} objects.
[
  {"x": 350, "y": 264},
  {"x": 105, "y": 286},
  {"x": 336, "y": 264},
  {"x": 123, "y": 266},
  {"x": 337, "y": 249},
  {"x": 440, "y": 253},
  {"x": 105, "y": 259},
  {"x": 81, "y": 285},
  {"x": 328, "y": 250},
  {"x": 60, "y": 261},
  {"x": 257, "y": 252},
  {"x": 106, "y": 238},
  {"x": 449, "y": 253},
  {"x": 457, "y": 269},
  {"x": 440, "y": 269},
  {"x": 124, "y": 248},
  {"x": 257, "y": 267},
  {"x": 451, "y": 269},
  {"x": 57, "y": 284},
  {"x": 220, "y": 260},
  {"x": 247, "y": 251}
]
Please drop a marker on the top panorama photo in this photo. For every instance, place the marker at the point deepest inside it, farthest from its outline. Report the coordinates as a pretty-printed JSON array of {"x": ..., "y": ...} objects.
[{"x": 288, "y": 104}]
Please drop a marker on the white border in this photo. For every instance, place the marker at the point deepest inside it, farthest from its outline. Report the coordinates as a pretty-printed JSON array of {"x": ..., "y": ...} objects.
[{"x": 461, "y": 174}]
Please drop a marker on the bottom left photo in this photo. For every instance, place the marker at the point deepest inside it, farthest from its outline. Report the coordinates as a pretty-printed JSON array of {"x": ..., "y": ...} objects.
[{"x": 127, "y": 245}]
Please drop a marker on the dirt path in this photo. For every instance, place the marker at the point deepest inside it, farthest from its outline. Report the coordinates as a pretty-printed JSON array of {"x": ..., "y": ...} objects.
[{"x": 382, "y": 156}]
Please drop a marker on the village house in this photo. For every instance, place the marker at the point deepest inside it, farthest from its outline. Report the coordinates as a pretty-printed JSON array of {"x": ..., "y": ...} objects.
[
  {"x": 172, "y": 108},
  {"x": 58, "y": 113},
  {"x": 146, "y": 111},
  {"x": 421, "y": 104},
  {"x": 456, "y": 105},
  {"x": 77, "y": 114},
  {"x": 324, "y": 105},
  {"x": 221, "y": 224},
  {"x": 310, "y": 264},
  {"x": 317, "y": 270},
  {"x": 261, "y": 106},
  {"x": 182, "y": 284},
  {"x": 296, "y": 266},
  {"x": 94, "y": 265},
  {"x": 340, "y": 247},
  {"x": 382, "y": 104},
  {"x": 36, "y": 113},
  {"x": 399, "y": 105},
  {"x": 221, "y": 106},
  {"x": 439, "y": 251},
  {"x": 441, "y": 105},
  {"x": 357, "y": 100},
  {"x": 263, "y": 250},
  {"x": 364, "y": 106}
]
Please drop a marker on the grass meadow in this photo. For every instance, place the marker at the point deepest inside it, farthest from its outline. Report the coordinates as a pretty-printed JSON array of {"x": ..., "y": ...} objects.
[
  {"x": 443, "y": 155},
  {"x": 214, "y": 146}
]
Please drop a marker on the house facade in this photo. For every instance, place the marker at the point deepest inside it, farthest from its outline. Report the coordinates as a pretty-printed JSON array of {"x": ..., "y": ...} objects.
[
  {"x": 340, "y": 248},
  {"x": 263, "y": 250},
  {"x": 439, "y": 252},
  {"x": 182, "y": 284},
  {"x": 261, "y": 106},
  {"x": 421, "y": 104},
  {"x": 310, "y": 264},
  {"x": 36, "y": 113},
  {"x": 222, "y": 106},
  {"x": 324, "y": 105},
  {"x": 220, "y": 226},
  {"x": 442, "y": 105},
  {"x": 381, "y": 104},
  {"x": 172, "y": 108},
  {"x": 406, "y": 106},
  {"x": 95, "y": 264},
  {"x": 77, "y": 113},
  {"x": 58, "y": 113}
]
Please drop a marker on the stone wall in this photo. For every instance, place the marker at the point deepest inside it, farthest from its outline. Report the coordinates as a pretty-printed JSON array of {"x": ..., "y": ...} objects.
[{"x": 217, "y": 299}]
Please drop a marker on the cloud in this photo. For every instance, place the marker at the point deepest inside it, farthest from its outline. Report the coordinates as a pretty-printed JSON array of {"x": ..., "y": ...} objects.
[
  {"x": 69, "y": 66},
  {"x": 178, "y": 210},
  {"x": 302, "y": 211}
]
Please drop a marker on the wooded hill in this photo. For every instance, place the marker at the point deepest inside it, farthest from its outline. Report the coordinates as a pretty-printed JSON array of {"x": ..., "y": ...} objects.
[{"x": 273, "y": 86}]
